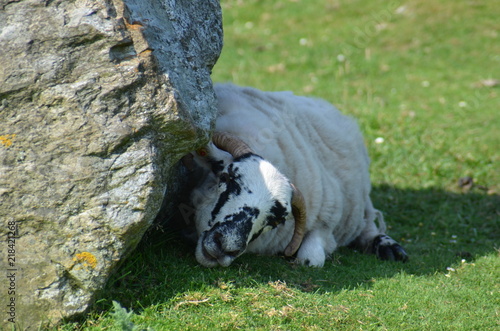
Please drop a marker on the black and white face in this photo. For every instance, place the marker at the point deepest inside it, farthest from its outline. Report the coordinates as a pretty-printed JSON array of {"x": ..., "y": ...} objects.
[{"x": 249, "y": 198}]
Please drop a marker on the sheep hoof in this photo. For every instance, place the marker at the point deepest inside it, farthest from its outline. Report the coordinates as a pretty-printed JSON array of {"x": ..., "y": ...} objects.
[{"x": 387, "y": 248}]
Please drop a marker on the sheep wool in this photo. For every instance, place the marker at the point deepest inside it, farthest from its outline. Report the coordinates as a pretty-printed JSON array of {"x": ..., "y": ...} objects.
[{"x": 244, "y": 203}]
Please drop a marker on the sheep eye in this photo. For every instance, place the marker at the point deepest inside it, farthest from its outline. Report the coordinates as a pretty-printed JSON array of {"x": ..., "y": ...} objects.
[{"x": 224, "y": 177}]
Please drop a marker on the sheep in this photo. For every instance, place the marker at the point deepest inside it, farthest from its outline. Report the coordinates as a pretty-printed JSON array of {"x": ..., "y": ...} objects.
[{"x": 284, "y": 174}]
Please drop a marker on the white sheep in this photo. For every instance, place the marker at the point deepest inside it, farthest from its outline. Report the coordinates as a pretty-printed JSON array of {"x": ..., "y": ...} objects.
[{"x": 282, "y": 166}]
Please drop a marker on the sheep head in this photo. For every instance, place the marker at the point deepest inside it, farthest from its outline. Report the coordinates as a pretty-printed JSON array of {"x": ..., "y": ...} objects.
[{"x": 248, "y": 196}]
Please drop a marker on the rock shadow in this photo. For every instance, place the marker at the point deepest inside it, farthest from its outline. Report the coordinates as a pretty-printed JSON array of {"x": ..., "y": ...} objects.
[{"x": 437, "y": 228}]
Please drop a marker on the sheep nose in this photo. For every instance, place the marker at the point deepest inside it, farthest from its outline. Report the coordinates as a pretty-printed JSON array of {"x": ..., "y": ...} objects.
[
  {"x": 223, "y": 245},
  {"x": 220, "y": 246},
  {"x": 227, "y": 246}
]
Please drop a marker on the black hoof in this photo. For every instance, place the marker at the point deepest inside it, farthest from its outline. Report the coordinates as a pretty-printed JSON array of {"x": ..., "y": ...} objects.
[{"x": 387, "y": 248}]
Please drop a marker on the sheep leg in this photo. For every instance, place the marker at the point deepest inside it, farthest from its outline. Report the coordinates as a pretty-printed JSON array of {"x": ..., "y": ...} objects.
[
  {"x": 313, "y": 249},
  {"x": 374, "y": 240},
  {"x": 387, "y": 248}
]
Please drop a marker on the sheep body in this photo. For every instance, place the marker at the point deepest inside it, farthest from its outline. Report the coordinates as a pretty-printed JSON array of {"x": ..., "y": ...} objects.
[{"x": 318, "y": 149}]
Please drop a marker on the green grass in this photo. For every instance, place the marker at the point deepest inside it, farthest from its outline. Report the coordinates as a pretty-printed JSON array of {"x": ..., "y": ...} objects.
[{"x": 411, "y": 72}]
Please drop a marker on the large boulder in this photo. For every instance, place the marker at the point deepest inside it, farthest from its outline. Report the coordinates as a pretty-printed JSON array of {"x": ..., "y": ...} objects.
[{"x": 98, "y": 101}]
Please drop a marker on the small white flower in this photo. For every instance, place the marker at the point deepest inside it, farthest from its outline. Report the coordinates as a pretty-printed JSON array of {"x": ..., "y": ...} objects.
[
  {"x": 426, "y": 83},
  {"x": 379, "y": 140},
  {"x": 450, "y": 269},
  {"x": 249, "y": 25},
  {"x": 462, "y": 104},
  {"x": 341, "y": 57},
  {"x": 400, "y": 10},
  {"x": 303, "y": 41}
]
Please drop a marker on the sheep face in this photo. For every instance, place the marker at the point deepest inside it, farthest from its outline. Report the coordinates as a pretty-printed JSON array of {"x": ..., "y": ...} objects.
[{"x": 247, "y": 197}]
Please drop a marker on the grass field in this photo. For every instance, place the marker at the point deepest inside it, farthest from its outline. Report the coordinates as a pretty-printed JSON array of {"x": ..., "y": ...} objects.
[{"x": 421, "y": 77}]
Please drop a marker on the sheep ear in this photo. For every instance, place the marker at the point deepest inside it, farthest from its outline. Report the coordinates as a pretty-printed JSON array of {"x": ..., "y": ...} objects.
[
  {"x": 217, "y": 158},
  {"x": 188, "y": 161}
]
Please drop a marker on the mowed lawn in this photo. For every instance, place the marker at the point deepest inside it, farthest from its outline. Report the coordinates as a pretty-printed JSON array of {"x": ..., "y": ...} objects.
[{"x": 423, "y": 80}]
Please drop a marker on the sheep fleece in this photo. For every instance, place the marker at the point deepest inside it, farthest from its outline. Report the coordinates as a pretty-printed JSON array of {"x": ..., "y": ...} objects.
[{"x": 318, "y": 148}]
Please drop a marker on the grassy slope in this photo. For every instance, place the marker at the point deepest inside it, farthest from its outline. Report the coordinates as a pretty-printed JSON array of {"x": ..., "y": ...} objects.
[{"x": 410, "y": 72}]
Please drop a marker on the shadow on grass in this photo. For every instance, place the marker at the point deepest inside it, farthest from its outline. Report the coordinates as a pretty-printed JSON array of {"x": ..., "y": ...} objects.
[{"x": 437, "y": 228}]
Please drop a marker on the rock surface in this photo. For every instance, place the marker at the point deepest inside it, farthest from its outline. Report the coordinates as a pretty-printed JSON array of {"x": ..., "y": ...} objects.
[{"x": 98, "y": 101}]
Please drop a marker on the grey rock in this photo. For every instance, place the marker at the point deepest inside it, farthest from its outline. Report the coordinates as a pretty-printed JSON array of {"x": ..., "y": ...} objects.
[{"x": 98, "y": 101}]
